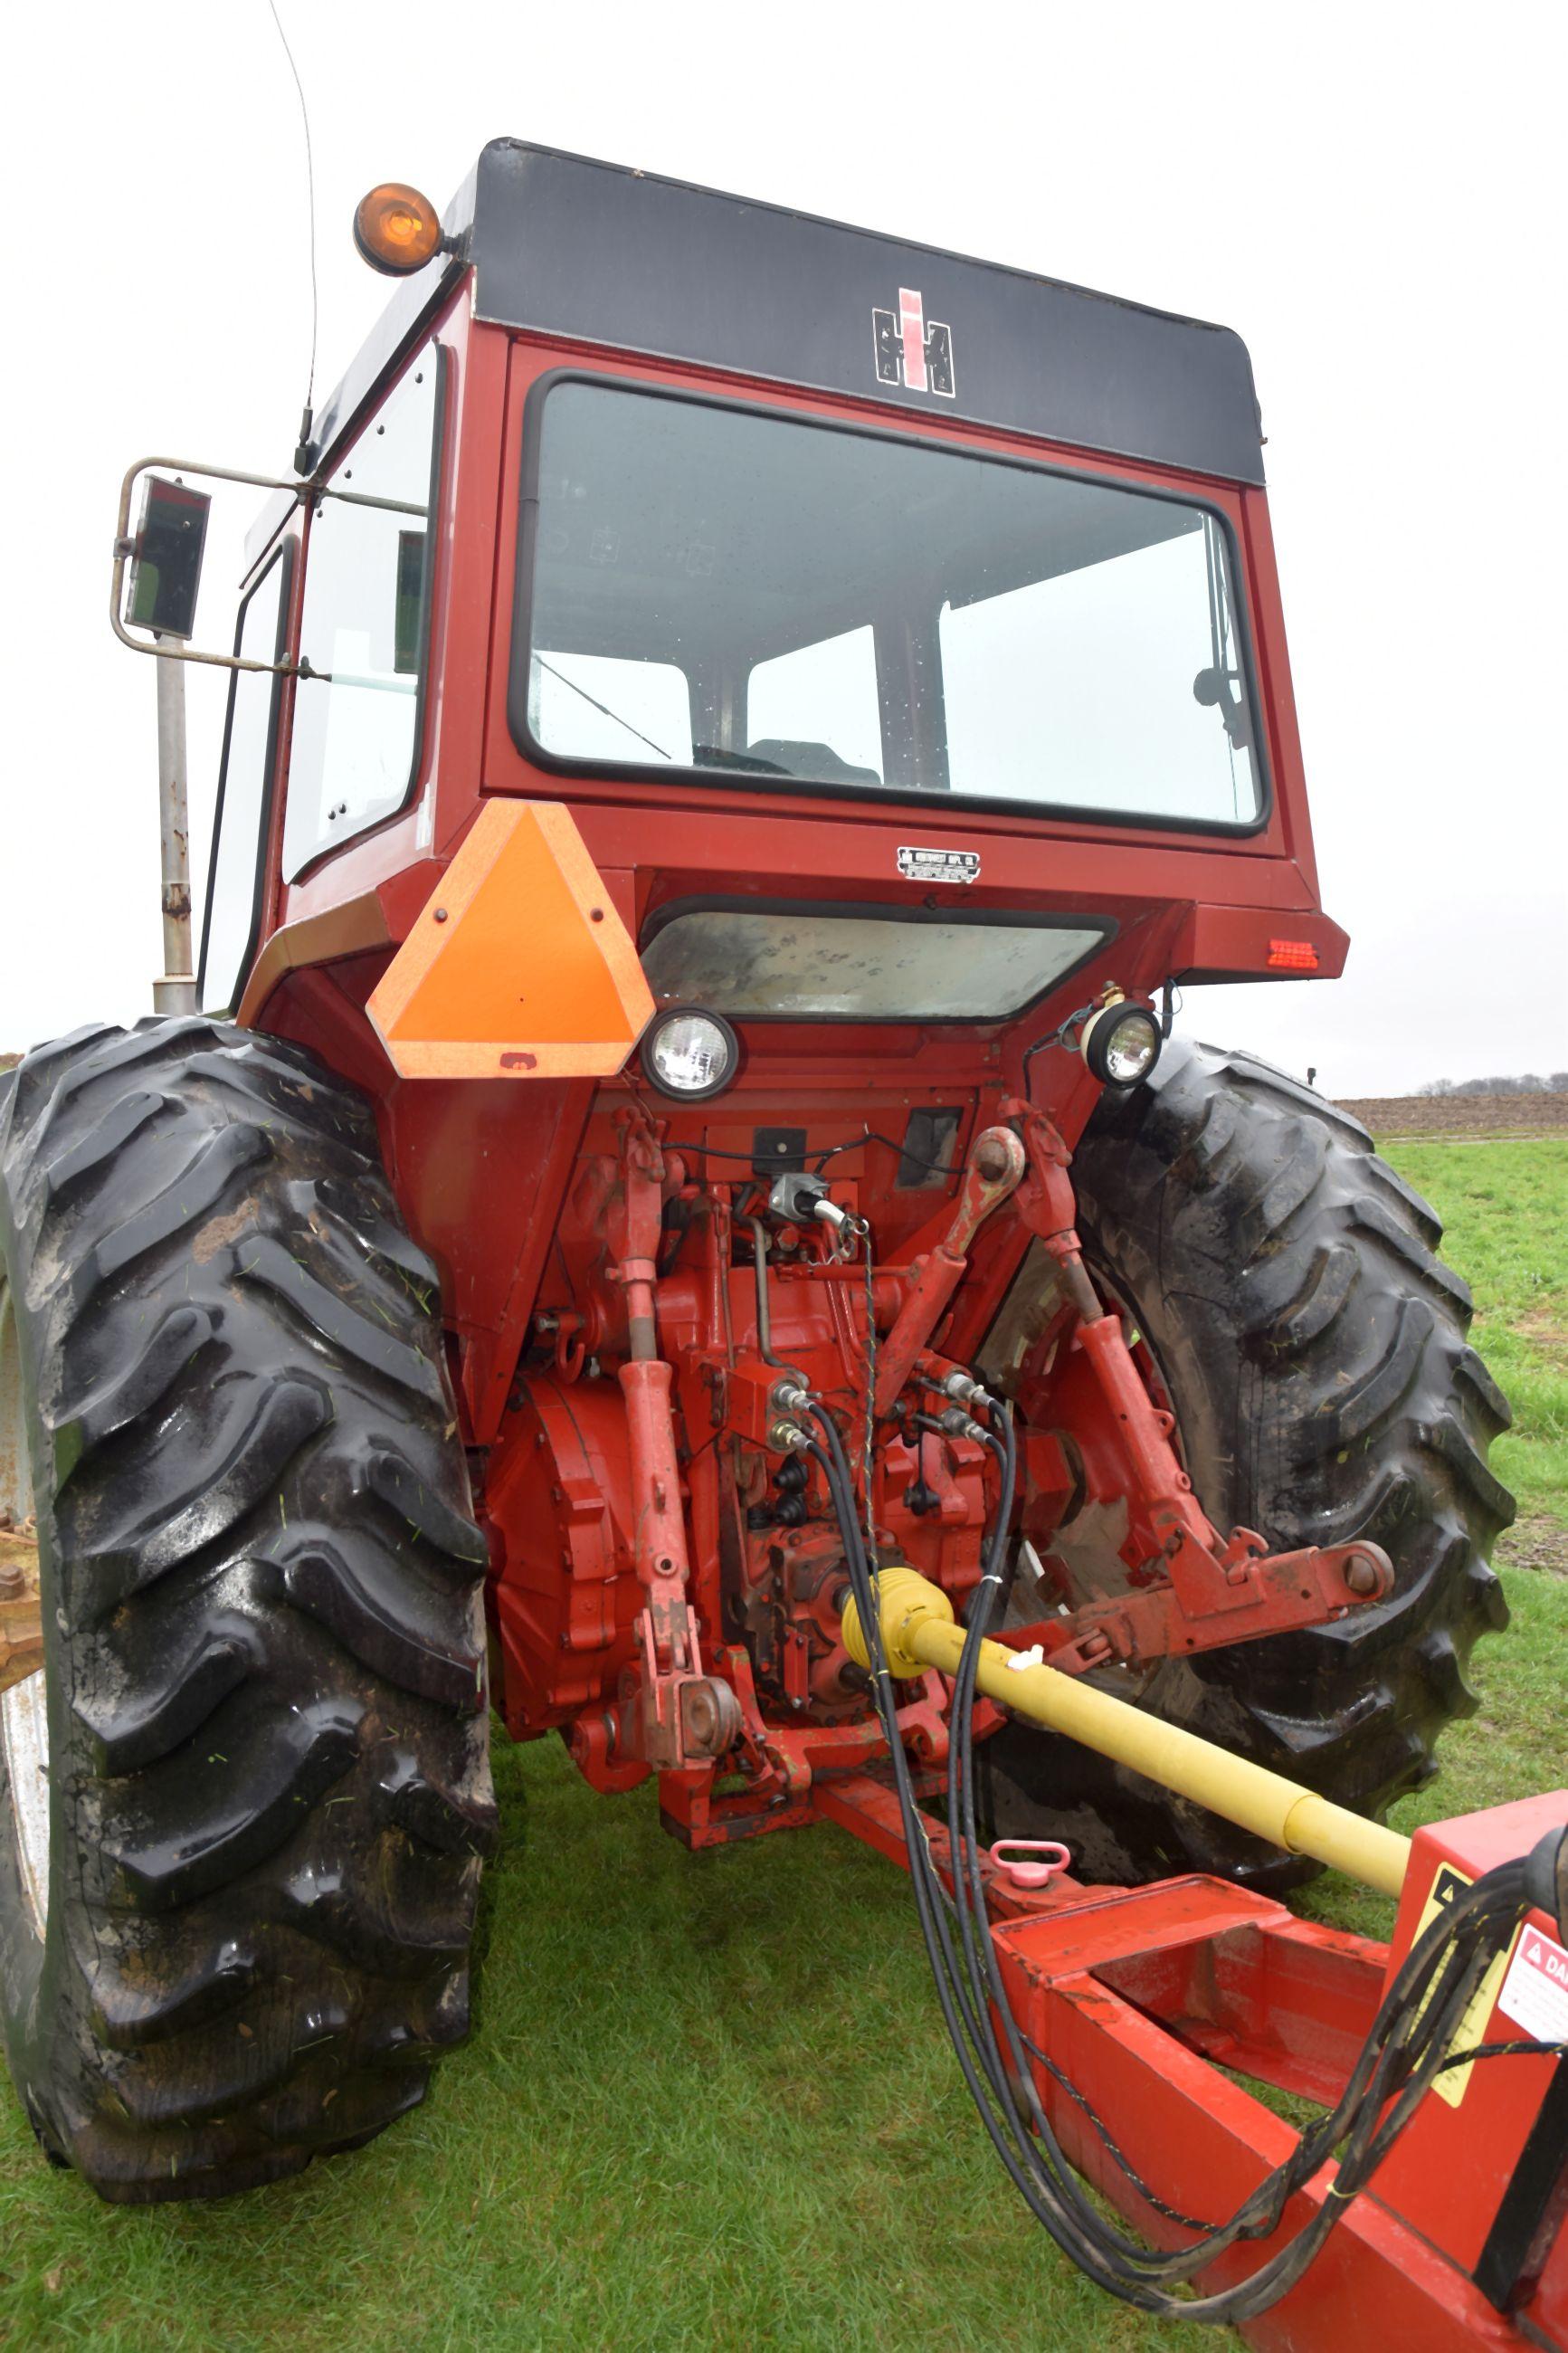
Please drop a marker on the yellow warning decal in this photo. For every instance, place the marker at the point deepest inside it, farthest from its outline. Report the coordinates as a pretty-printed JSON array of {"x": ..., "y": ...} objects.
[{"x": 1453, "y": 2083}]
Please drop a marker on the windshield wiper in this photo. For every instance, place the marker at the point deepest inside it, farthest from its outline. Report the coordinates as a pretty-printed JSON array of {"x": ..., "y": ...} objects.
[{"x": 603, "y": 707}]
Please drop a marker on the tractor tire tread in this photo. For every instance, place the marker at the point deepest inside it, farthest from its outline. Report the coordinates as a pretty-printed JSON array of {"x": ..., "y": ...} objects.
[{"x": 263, "y": 1574}]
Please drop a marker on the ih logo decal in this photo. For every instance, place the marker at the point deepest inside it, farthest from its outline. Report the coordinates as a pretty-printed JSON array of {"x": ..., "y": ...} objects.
[{"x": 908, "y": 352}]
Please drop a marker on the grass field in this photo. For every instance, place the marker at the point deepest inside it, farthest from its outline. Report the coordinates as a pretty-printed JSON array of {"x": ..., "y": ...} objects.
[{"x": 707, "y": 2102}]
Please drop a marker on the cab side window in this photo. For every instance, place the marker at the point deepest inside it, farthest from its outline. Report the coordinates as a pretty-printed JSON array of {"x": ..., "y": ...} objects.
[
  {"x": 239, "y": 825},
  {"x": 364, "y": 631}
]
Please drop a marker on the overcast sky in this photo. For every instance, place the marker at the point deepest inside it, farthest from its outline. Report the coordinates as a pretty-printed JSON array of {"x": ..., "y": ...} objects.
[{"x": 1373, "y": 195}]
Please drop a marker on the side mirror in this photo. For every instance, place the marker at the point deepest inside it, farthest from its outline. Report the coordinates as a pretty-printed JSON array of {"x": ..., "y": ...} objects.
[
  {"x": 1218, "y": 689},
  {"x": 158, "y": 566},
  {"x": 166, "y": 558}
]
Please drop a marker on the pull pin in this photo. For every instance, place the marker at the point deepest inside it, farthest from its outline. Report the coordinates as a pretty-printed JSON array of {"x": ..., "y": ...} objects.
[{"x": 1053, "y": 1858}]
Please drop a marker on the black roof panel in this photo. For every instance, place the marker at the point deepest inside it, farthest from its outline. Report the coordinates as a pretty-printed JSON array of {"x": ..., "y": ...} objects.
[{"x": 568, "y": 246}]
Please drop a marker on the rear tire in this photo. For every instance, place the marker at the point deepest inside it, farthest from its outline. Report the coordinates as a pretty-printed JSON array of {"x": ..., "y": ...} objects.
[
  {"x": 1315, "y": 1352},
  {"x": 241, "y": 1935}
]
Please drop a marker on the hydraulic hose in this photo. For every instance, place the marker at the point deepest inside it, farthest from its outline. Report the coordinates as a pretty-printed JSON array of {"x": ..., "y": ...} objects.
[
  {"x": 1405, "y": 2050},
  {"x": 965, "y": 2005}
]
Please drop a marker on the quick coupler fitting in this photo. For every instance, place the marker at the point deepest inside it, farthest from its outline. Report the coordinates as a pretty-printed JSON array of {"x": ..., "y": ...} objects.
[
  {"x": 952, "y": 1422},
  {"x": 787, "y": 1438},
  {"x": 789, "y": 1398},
  {"x": 966, "y": 1389}
]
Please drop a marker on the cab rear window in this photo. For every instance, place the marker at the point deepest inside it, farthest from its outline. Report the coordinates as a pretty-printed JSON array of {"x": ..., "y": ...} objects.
[{"x": 781, "y": 601}]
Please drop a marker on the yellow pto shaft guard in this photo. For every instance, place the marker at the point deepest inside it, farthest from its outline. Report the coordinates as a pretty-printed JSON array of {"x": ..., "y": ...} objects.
[{"x": 919, "y": 1633}]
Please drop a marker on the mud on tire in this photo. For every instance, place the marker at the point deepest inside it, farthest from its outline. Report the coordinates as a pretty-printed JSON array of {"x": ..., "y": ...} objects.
[
  {"x": 265, "y": 1685},
  {"x": 1315, "y": 1351}
]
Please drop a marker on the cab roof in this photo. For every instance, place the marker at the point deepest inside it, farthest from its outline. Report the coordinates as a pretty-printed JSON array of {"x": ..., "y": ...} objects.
[{"x": 561, "y": 244}]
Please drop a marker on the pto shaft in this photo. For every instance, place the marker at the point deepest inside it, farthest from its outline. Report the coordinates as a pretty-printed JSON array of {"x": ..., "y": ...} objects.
[{"x": 919, "y": 1633}]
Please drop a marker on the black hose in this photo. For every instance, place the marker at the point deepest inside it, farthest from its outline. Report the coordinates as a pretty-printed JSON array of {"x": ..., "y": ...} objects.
[
  {"x": 959, "y": 2012},
  {"x": 963, "y": 2003},
  {"x": 1358, "y": 2111},
  {"x": 1402, "y": 2053}
]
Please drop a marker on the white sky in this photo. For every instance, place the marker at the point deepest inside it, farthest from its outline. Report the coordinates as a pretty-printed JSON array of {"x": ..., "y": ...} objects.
[{"x": 1372, "y": 195}]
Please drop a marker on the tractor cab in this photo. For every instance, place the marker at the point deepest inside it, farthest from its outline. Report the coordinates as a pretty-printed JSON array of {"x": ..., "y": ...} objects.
[
  {"x": 743, "y": 534},
  {"x": 898, "y": 636}
]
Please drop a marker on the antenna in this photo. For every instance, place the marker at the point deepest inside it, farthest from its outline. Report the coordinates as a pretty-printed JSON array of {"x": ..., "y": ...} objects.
[{"x": 307, "y": 421}]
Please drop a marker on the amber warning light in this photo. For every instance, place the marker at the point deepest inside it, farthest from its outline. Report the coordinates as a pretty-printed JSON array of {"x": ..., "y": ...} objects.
[
  {"x": 396, "y": 230},
  {"x": 1292, "y": 956}
]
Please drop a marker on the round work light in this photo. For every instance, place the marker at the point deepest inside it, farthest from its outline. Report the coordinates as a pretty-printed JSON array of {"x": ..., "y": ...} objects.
[
  {"x": 396, "y": 230},
  {"x": 690, "y": 1055},
  {"x": 1120, "y": 1044}
]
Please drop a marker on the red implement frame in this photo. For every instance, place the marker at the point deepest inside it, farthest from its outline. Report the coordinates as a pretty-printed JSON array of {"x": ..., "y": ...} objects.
[{"x": 1152, "y": 2000}]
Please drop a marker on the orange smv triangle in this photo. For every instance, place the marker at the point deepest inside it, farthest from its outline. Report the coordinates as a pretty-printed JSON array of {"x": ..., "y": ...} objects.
[{"x": 519, "y": 966}]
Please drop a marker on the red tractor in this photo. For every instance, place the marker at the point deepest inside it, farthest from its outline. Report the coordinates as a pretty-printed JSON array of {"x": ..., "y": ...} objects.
[{"x": 736, "y": 735}]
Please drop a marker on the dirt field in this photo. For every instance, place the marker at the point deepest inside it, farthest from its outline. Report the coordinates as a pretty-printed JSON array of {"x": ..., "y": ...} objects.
[{"x": 1469, "y": 1118}]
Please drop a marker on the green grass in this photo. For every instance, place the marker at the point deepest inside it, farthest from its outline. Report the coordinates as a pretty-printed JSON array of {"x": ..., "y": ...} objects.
[
  {"x": 1505, "y": 1207},
  {"x": 707, "y": 2102}
]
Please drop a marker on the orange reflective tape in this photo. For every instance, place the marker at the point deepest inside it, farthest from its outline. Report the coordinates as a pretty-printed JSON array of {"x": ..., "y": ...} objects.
[{"x": 518, "y": 965}]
